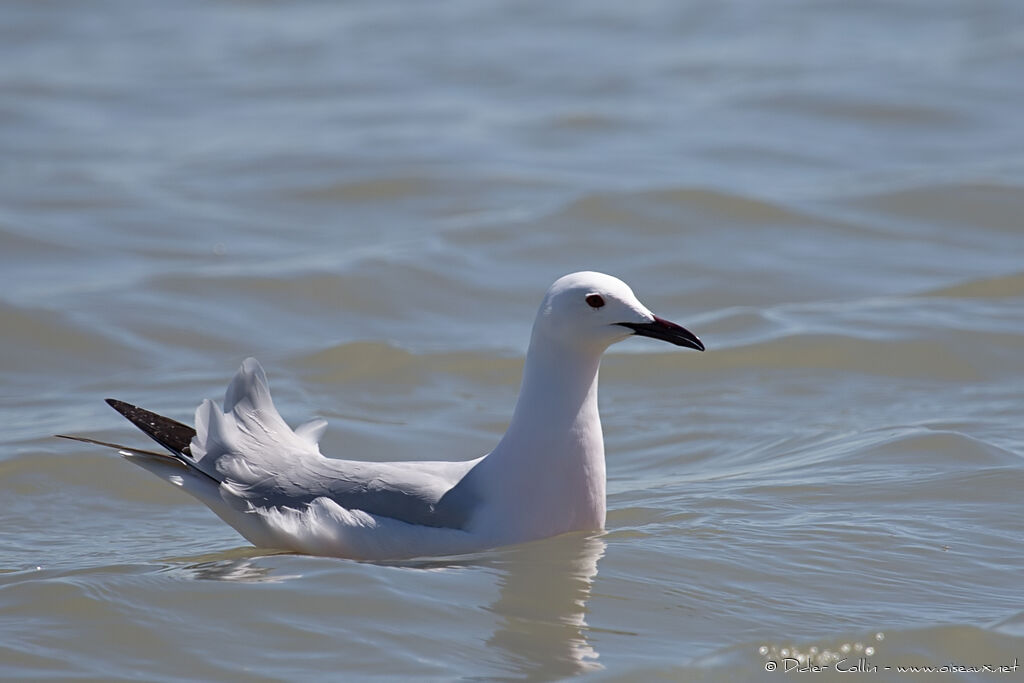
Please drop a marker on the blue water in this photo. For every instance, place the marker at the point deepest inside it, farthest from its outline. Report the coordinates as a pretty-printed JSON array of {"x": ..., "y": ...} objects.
[{"x": 371, "y": 198}]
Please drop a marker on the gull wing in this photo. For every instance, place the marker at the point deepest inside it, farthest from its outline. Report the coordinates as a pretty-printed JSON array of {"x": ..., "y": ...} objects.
[{"x": 249, "y": 450}]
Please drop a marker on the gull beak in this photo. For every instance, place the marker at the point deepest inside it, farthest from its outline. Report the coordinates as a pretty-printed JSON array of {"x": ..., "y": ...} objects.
[{"x": 666, "y": 331}]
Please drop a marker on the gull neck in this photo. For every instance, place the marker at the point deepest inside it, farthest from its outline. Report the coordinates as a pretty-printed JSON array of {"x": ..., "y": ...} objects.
[{"x": 557, "y": 401}]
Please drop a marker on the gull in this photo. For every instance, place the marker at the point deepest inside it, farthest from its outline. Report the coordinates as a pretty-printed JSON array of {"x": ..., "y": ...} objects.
[{"x": 545, "y": 477}]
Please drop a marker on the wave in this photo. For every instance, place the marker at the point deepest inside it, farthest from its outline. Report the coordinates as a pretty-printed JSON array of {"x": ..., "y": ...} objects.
[
  {"x": 380, "y": 362},
  {"x": 971, "y": 208},
  {"x": 35, "y": 340},
  {"x": 998, "y": 287}
]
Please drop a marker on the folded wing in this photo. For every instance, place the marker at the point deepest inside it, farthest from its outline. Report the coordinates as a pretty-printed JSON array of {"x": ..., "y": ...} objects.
[{"x": 248, "y": 449}]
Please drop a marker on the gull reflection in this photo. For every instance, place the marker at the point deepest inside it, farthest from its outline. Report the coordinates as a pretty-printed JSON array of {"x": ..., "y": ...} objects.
[
  {"x": 238, "y": 564},
  {"x": 541, "y": 629},
  {"x": 542, "y": 632}
]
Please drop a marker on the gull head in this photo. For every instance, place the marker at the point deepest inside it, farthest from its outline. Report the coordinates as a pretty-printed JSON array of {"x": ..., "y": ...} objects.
[{"x": 592, "y": 310}]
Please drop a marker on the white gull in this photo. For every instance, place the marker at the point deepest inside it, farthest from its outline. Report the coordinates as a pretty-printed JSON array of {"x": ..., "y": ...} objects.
[{"x": 545, "y": 477}]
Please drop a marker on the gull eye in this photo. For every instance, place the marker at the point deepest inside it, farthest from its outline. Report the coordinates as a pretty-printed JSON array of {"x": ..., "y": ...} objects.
[{"x": 595, "y": 300}]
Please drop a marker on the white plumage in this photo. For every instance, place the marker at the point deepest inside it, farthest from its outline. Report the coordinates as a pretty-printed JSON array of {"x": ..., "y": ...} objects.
[{"x": 546, "y": 476}]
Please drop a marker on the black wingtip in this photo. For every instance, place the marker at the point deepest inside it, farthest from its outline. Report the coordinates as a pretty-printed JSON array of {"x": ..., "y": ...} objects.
[{"x": 171, "y": 434}]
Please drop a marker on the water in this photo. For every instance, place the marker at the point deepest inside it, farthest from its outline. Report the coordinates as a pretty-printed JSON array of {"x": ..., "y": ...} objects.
[{"x": 372, "y": 197}]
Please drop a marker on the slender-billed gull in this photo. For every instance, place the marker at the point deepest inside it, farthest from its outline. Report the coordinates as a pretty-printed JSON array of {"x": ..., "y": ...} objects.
[{"x": 545, "y": 477}]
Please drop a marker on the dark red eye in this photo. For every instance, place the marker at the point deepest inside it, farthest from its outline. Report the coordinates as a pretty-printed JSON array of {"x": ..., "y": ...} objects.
[{"x": 595, "y": 300}]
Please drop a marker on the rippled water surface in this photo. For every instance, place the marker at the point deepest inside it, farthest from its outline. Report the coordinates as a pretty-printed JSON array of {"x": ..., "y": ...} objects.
[{"x": 372, "y": 197}]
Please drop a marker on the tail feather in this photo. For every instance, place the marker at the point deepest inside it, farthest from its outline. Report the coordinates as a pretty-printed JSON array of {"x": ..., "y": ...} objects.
[{"x": 169, "y": 459}]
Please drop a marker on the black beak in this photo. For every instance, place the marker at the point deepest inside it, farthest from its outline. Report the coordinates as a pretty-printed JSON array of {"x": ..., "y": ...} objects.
[{"x": 666, "y": 331}]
